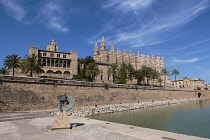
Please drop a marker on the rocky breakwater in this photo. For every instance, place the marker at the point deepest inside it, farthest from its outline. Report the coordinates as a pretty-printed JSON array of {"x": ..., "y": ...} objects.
[{"x": 96, "y": 110}]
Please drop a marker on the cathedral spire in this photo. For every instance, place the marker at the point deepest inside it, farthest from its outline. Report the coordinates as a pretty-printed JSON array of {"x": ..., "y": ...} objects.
[
  {"x": 138, "y": 53},
  {"x": 103, "y": 44},
  {"x": 96, "y": 45},
  {"x": 112, "y": 47},
  {"x": 96, "y": 48}
]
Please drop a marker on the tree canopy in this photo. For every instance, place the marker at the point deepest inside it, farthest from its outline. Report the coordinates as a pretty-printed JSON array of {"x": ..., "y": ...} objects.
[{"x": 12, "y": 62}]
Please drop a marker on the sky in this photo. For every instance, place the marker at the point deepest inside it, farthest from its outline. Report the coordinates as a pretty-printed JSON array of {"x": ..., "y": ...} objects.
[{"x": 179, "y": 30}]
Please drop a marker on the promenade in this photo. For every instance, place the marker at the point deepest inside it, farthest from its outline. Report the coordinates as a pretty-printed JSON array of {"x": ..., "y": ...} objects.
[{"x": 82, "y": 129}]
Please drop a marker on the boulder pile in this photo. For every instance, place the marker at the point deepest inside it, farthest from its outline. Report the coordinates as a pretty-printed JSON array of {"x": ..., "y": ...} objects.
[{"x": 99, "y": 109}]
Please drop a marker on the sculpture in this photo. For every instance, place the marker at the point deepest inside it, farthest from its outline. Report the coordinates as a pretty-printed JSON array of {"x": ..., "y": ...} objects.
[
  {"x": 62, "y": 99},
  {"x": 62, "y": 121}
]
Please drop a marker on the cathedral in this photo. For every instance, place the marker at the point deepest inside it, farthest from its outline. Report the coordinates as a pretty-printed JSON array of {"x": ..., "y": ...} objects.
[{"x": 105, "y": 58}]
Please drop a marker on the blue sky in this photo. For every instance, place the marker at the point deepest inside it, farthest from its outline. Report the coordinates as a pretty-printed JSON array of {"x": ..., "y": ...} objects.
[{"x": 177, "y": 29}]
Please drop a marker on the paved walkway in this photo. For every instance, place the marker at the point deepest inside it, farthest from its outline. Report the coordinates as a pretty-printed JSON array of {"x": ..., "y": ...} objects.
[{"x": 82, "y": 129}]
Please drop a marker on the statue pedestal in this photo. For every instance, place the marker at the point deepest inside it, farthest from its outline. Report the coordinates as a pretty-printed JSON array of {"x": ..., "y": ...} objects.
[{"x": 61, "y": 122}]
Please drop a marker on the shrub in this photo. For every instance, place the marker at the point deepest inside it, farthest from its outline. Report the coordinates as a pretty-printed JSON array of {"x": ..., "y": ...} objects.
[
  {"x": 106, "y": 86},
  {"x": 198, "y": 88},
  {"x": 206, "y": 88},
  {"x": 136, "y": 87}
]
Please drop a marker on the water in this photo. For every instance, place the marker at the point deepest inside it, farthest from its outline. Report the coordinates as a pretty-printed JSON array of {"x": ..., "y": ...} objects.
[{"x": 191, "y": 118}]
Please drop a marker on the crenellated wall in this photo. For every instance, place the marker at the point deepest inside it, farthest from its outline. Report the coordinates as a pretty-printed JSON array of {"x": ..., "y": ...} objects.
[{"x": 18, "y": 94}]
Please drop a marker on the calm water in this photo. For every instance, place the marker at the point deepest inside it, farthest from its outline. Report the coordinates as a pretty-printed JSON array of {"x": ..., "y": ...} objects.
[{"x": 192, "y": 118}]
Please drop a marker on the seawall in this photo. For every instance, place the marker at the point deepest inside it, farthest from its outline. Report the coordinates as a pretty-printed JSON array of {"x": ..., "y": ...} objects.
[{"x": 25, "y": 94}]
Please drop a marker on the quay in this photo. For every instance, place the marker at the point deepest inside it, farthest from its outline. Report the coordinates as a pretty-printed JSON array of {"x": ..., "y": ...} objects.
[{"x": 82, "y": 129}]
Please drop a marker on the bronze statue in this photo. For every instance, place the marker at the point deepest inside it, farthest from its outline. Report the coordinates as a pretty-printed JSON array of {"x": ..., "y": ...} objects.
[{"x": 62, "y": 99}]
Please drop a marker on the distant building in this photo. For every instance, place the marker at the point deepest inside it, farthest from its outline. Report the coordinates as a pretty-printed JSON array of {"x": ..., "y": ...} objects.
[
  {"x": 105, "y": 58},
  {"x": 189, "y": 83},
  {"x": 56, "y": 63},
  {"x": 208, "y": 86}
]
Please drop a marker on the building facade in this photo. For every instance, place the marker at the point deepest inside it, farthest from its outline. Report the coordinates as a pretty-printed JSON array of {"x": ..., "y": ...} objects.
[
  {"x": 105, "y": 58},
  {"x": 189, "y": 83},
  {"x": 56, "y": 63}
]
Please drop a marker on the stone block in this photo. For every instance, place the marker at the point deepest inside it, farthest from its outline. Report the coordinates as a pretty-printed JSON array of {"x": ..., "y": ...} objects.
[{"x": 61, "y": 122}]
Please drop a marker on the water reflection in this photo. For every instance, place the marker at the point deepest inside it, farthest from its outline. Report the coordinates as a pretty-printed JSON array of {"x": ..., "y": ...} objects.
[{"x": 192, "y": 118}]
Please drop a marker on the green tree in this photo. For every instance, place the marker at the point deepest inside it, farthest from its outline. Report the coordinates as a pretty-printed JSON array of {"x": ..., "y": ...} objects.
[
  {"x": 138, "y": 74},
  {"x": 4, "y": 71},
  {"x": 160, "y": 80},
  {"x": 155, "y": 74},
  {"x": 112, "y": 70},
  {"x": 84, "y": 63},
  {"x": 31, "y": 65},
  {"x": 144, "y": 73},
  {"x": 130, "y": 70},
  {"x": 175, "y": 72},
  {"x": 165, "y": 73},
  {"x": 12, "y": 62},
  {"x": 122, "y": 74},
  {"x": 92, "y": 71},
  {"x": 148, "y": 73}
]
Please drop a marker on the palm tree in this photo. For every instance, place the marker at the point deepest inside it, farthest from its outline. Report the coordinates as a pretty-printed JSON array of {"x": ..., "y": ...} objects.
[
  {"x": 165, "y": 73},
  {"x": 112, "y": 70},
  {"x": 160, "y": 80},
  {"x": 175, "y": 72},
  {"x": 83, "y": 64},
  {"x": 92, "y": 71},
  {"x": 31, "y": 65},
  {"x": 12, "y": 62},
  {"x": 4, "y": 71}
]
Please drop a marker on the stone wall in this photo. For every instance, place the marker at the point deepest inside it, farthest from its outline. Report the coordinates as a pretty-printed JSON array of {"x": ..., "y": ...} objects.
[{"x": 17, "y": 94}]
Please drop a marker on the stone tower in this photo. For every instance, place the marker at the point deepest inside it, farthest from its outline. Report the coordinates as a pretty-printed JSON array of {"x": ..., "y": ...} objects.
[
  {"x": 104, "y": 52},
  {"x": 96, "y": 52},
  {"x": 33, "y": 50},
  {"x": 52, "y": 46},
  {"x": 112, "y": 54}
]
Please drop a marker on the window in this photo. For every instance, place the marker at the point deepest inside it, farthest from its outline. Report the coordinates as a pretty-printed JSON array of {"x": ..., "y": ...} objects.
[
  {"x": 101, "y": 77},
  {"x": 52, "y": 55},
  {"x": 44, "y": 64},
  {"x": 57, "y": 65},
  {"x": 58, "y": 55},
  {"x": 44, "y": 54},
  {"x": 64, "y": 65},
  {"x": 64, "y": 56}
]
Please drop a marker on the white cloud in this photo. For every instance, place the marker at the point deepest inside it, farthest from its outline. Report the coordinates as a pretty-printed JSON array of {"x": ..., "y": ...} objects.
[
  {"x": 192, "y": 60},
  {"x": 193, "y": 44},
  {"x": 151, "y": 26},
  {"x": 196, "y": 52},
  {"x": 131, "y": 4},
  {"x": 14, "y": 9},
  {"x": 52, "y": 15}
]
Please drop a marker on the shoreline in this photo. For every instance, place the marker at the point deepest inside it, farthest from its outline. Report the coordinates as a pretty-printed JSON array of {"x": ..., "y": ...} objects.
[
  {"x": 86, "y": 128},
  {"x": 102, "y": 109}
]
